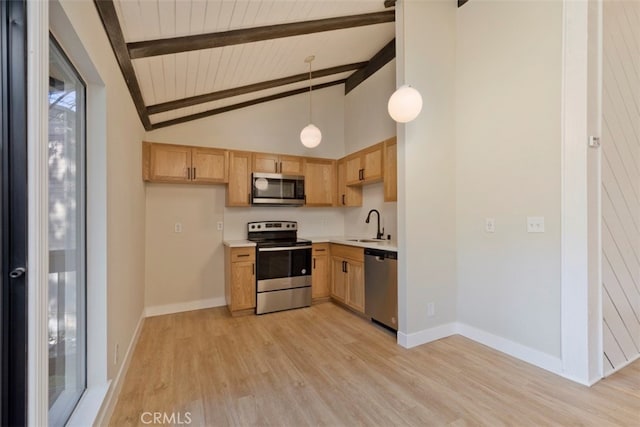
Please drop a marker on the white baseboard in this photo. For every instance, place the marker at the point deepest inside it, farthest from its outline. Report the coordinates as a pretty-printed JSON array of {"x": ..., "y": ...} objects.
[
  {"x": 158, "y": 310},
  {"x": 519, "y": 351},
  {"x": 116, "y": 384},
  {"x": 426, "y": 335}
]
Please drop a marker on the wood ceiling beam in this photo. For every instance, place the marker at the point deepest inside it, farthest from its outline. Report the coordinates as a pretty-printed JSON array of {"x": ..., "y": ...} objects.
[
  {"x": 462, "y": 2},
  {"x": 389, "y": 3},
  {"x": 167, "y": 46},
  {"x": 379, "y": 60},
  {"x": 244, "y": 104},
  {"x": 242, "y": 90},
  {"x": 109, "y": 18}
]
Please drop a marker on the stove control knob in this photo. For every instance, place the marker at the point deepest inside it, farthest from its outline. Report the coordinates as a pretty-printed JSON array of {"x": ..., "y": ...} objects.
[{"x": 259, "y": 226}]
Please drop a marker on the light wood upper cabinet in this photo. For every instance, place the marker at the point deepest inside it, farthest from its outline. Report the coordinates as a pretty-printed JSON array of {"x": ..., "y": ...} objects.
[
  {"x": 320, "y": 271},
  {"x": 390, "y": 170},
  {"x": 277, "y": 163},
  {"x": 291, "y": 165},
  {"x": 166, "y": 163},
  {"x": 372, "y": 159},
  {"x": 320, "y": 182},
  {"x": 347, "y": 195},
  {"x": 183, "y": 164},
  {"x": 240, "y": 279},
  {"x": 239, "y": 187},
  {"x": 209, "y": 165},
  {"x": 353, "y": 169},
  {"x": 365, "y": 166}
]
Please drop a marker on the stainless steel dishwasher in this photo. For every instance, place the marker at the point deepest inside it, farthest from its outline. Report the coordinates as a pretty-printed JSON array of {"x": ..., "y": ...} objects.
[{"x": 381, "y": 286}]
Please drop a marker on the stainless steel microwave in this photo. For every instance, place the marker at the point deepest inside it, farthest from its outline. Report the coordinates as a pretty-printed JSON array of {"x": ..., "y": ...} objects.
[{"x": 273, "y": 189}]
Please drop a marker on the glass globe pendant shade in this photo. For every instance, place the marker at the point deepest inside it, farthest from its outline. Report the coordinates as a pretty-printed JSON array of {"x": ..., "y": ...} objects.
[
  {"x": 405, "y": 104},
  {"x": 310, "y": 136}
]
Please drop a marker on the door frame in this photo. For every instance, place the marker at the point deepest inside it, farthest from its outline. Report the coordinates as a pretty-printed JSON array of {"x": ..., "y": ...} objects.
[
  {"x": 14, "y": 207},
  {"x": 38, "y": 289}
]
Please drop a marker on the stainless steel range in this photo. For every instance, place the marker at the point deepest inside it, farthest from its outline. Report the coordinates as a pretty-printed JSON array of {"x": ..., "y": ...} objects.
[{"x": 283, "y": 266}]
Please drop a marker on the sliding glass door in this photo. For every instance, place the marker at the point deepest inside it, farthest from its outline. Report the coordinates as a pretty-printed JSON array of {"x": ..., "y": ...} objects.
[{"x": 67, "y": 237}]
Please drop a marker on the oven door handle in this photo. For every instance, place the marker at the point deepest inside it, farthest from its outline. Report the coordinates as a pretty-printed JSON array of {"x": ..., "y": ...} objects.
[{"x": 283, "y": 248}]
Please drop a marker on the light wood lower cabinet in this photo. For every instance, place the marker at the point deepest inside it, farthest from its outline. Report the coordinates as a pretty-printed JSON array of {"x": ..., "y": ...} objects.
[
  {"x": 240, "y": 279},
  {"x": 347, "y": 276},
  {"x": 320, "y": 272}
]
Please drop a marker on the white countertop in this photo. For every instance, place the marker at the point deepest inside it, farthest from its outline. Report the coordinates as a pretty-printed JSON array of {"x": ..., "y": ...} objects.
[
  {"x": 387, "y": 245},
  {"x": 239, "y": 243}
]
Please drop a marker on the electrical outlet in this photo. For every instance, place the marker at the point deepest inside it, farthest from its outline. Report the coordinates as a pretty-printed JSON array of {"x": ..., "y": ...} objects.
[
  {"x": 535, "y": 224},
  {"x": 177, "y": 227},
  {"x": 219, "y": 225},
  {"x": 490, "y": 225},
  {"x": 116, "y": 354},
  {"x": 431, "y": 309}
]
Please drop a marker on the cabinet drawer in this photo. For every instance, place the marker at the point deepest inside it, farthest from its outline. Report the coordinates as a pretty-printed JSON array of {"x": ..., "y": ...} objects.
[
  {"x": 351, "y": 252},
  {"x": 243, "y": 254},
  {"x": 320, "y": 249}
]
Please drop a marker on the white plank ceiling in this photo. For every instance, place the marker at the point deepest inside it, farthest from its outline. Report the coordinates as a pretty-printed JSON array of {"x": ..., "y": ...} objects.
[{"x": 176, "y": 76}]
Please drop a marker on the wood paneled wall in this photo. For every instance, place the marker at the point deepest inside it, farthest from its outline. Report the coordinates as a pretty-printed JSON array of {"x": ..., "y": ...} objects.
[{"x": 621, "y": 184}]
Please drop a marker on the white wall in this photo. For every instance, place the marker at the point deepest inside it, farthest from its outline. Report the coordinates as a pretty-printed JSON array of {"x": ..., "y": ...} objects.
[
  {"x": 125, "y": 191},
  {"x": 426, "y": 169},
  {"x": 508, "y": 167},
  {"x": 367, "y": 122},
  {"x": 188, "y": 266},
  {"x": 270, "y": 127}
]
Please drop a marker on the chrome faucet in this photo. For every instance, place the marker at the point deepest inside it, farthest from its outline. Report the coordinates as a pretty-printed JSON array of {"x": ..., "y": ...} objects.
[{"x": 380, "y": 232}]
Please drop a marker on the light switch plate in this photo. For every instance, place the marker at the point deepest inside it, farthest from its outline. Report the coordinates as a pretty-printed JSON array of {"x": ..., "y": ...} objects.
[
  {"x": 490, "y": 225},
  {"x": 177, "y": 228},
  {"x": 535, "y": 224},
  {"x": 219, "y": 225}
]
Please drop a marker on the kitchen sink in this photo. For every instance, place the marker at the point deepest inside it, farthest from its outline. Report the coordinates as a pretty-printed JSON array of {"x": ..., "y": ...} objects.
[{"x": 365, "y": 240}]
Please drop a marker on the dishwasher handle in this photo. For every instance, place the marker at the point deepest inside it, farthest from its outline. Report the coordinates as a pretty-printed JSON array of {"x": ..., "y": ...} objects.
[{"x": 380, "y": 254}]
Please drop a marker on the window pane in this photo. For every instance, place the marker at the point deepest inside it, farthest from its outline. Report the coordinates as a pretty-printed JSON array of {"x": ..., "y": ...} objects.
[{"x": 67, "y": 348}]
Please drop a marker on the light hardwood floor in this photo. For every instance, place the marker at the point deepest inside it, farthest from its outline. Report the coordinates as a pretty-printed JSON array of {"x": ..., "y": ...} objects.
[{"x": 325, "y": 366}]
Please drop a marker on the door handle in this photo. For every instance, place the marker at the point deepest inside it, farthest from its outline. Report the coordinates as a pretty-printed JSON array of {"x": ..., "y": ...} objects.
[
  {"x": 343, "y": 199},
  {"x": 314, "y": 263},
  {"x": 188, "y": 173},
  {"x": 17, "y": 272},
  {"x": 346, "y": 265},
  {"x": 253, "y": 268},
  {"x": 194, "y": 173}
]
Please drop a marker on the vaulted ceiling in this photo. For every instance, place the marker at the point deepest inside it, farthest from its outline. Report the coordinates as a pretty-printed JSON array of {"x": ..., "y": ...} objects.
[{"x": 187, "y": 59}]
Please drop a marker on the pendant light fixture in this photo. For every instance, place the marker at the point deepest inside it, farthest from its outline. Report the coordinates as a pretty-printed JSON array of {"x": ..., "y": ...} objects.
[
  {"x": 310, "y": 135},
  {"x": 406, "y": 102}
]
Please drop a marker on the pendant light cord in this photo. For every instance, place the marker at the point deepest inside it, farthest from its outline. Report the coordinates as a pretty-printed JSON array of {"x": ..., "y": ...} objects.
[{"x": 310, "y": 92}]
